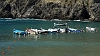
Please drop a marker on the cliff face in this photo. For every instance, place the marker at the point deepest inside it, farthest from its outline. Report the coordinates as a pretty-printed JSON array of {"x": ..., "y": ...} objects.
[{"x": 51, "y": 9}]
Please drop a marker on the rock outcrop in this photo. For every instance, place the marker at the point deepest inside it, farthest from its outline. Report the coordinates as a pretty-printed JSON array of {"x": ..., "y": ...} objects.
[{"x": 51, "y": 9}]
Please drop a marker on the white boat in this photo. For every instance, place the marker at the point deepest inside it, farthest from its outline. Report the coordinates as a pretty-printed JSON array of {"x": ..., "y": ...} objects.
[
  {"x": 36, "y": 31},
  {"x": 58, "y": 30},
  {"x": 72, "y": 30},
  {"x": 32, "y": 31},
  {"x": 77, "y": 20},
  {"x": 91, "y": 29},
  {"x": 62, "y": 30},
  {"x": 85, "y": 21},
  {"x": 64, "y": 24},
  {"x": 43, "y": 31},
  {"x": 52, "y": 30}
]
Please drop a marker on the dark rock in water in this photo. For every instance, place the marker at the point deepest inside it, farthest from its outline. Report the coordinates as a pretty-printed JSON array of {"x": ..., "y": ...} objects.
[{"x": 51, "y": 9}]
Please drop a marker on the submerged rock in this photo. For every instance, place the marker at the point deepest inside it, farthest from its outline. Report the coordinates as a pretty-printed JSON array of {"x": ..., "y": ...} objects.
[{"x": 51, "y": 9}]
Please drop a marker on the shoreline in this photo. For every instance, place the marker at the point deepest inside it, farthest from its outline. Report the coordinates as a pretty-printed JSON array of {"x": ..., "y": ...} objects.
[{"x": 46, "y": 19}]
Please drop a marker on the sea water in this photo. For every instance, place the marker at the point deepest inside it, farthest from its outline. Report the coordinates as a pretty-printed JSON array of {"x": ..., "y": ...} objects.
[{"x": 56, "y": 44}]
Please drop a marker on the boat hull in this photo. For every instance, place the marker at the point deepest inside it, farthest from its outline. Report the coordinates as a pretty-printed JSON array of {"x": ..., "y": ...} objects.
[{"x": 19, "y": 32}]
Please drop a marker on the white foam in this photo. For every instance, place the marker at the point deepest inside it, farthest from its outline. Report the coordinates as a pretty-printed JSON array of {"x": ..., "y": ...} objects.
[{"x": 77, "y": 20}]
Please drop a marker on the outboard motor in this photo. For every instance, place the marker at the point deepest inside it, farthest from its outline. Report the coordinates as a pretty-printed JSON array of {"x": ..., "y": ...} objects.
[
  {"x": 96, "y": 30},
  {"x": 66, "y": 30}
]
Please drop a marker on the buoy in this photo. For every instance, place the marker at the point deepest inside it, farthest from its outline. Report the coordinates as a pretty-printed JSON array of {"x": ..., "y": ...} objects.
[
  {"x": 18, "y": 38},
  {"x": 8, "y": 47},
  {"x": 14, "y": 40},
  {"x": 3, "y": 53}
]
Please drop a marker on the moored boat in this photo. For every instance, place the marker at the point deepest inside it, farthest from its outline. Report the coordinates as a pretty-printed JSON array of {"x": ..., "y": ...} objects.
[
  {"x": 72, "y": 30},
  {"x": 43, "y": 31},
  {"x": 91, "y": 29},
  {"x": 62, "y": 30},
  {"x": 30, "y": 31},
  {"x": 19, "y": 32},
  {"x": 50, "y": 30},
  {"x": 64, "y": 24}
]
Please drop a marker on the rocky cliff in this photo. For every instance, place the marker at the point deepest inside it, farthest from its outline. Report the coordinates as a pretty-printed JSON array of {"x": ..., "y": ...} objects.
[{"x": 51, "y": 9}]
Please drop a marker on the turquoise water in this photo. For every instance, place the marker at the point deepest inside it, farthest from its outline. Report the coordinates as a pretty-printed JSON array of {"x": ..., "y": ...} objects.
[{"x": 64, "y": 44}]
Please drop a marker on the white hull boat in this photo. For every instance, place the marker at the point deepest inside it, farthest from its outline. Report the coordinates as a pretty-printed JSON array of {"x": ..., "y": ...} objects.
[{"x": 64, "y": 24}]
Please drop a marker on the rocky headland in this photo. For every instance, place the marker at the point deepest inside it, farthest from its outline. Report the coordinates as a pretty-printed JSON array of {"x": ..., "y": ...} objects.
[{"x": 51, "y": 9}]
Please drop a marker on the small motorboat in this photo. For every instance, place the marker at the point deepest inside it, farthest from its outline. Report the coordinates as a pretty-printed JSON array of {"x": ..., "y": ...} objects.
[
  {"x": 91, "y": 29},
  {"x": 62, "y": 30},
  {"x": 50, "y": 30},
  {"x": 36, "y": 31},
  {"x": 64, "y": 24},
  {"x": 72, "y": 30},
  {"x": 85, "y": 21},
  {"x": 43, "y": 31},
  {"x": 31, "y": 31},
  {"x": 19, "y": 32}
]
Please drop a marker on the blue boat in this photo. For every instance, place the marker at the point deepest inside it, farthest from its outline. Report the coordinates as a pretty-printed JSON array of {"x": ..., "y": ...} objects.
[
  {"x": 72, "y": 30},
  {"x": 19, "y": 32}
]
